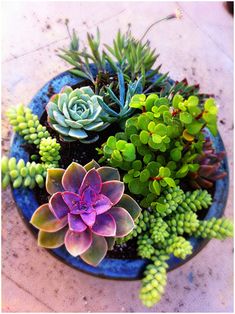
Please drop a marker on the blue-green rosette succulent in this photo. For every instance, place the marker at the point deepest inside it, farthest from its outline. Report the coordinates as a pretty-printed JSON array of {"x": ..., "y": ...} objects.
[{"x": 76, "y": 114}]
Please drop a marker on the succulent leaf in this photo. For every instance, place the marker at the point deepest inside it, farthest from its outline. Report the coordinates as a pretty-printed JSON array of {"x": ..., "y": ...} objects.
[
  {"x": 96, "y": 252},
  {"x": 124, "y": 221},
  {"x": 44, "y": 220},
  {"x": 51, "y": 240},
  {"x": 54, "y": 180},
  {"x": 77, "y": 243}
]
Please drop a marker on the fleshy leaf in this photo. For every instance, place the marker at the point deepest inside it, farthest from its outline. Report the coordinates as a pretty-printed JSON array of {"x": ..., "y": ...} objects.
[
  {"x": 113, "y": 190},
  {"x": 89, "y": 218},
  {"x": 72, "y": 200},
  {"x": 51, "y": 240},
  {"x": 96, "y": 252},
  {"x": 104, "y": 225},
  {"x": 77, "y": 243},
  {"x": 129, "y": 204},
  {"x": 53, "y": 180},
  {"x": 92, "y": 179},
  {"x": 124, "y": 221},
  {"x": 73, "y": 177},
  {"x": 75, "y": 223},
  {"x": 102, "y": 204},
  {"x": 91, "y": 164},
  {"x": 108, "y": 174},
  {"x": 43, "y": 219},
  {"x": 110, "y": 241},
  {"x": 58, "y": 206}
]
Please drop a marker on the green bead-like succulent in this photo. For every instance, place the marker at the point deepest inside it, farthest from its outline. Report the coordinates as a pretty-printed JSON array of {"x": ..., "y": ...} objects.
[
  {"x": 145, "y": 246},
  {"x": 179, "y": 246},
  {"x": 154, "y": 281},
  {"x": 185, "y": 222},
  {"x": 159, "y": 230},
  {"x": 22, "y": 174},
  {"x": 76, "y": 114},
  {"x": 214, "y": 228},
  {"x": 195, "y": 201},
  {"x": 27, "y": 124},
  {"x": 49, "y": 151}
]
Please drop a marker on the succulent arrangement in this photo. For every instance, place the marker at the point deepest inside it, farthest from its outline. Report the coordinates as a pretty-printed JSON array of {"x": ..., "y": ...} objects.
[{"x": 157, "y": 150}]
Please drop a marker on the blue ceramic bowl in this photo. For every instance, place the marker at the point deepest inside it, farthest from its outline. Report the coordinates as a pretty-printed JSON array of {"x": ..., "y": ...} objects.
[{"x": 129, "y": 269}]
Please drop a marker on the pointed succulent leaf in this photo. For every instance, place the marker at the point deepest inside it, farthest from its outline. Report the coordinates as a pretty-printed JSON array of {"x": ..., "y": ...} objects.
[
  {"x": 77, "y": 243},
  {"x": 51, "y": 240},
  {"x": 73, "y": 177},
  {"x": 43, "y": 219},
  {"x": 92, "y": 179},
  {"x": 53, "y": 180},
  {"x": 75, "y": 223},
  {"x": 102, "y": 204},
  {"x": 123, "y": 219},
  {"x": 130, "y": 205},
  {"x": 113, "y": 190},
  {"x": 58, "y": 206},
  {"x": 104, "y": 225},
  {"x": 91, "y": 164},
  {"x": 108, "y": 174},
  {"x": 110, "y": 241},
  {"x": 89, "y": 218},
  {"x": 96, "y": 252}
]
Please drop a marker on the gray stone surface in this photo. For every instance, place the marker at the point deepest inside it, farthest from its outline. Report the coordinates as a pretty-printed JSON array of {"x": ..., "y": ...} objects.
[{"x": 199, "y": 47}]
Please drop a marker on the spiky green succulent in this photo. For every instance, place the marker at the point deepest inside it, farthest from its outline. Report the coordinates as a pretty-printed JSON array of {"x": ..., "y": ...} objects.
[
  {"x": 27, "y": 124},
  {"x": 27, "y": 174},
  {"x": 76, "y": 114}
]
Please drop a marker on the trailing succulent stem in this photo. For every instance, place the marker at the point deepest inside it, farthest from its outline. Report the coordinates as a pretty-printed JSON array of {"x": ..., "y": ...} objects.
[
  {"x": 27, "y": 124},
  {"x": 220, "y": 228},
  {"x": 23, "y": 174},
  {"x": 49, "y": 151},
  {"x": 155, "y": 279}
]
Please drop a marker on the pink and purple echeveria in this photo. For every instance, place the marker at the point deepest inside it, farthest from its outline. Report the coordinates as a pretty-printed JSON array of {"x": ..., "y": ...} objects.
[{"x": 87, "y": 210}]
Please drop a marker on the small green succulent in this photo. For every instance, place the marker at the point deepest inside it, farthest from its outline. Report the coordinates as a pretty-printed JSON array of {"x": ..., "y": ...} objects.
[
  {"x": 49, "y": 151},
  {"x": 76, "y": 114},
  {"x": 27, "y": 124},
  {"x": 21, "y": 173},
  {"x": 117, "y": 108}
]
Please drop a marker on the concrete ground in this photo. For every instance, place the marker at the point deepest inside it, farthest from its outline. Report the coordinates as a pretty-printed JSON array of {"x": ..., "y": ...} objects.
[{"x": 199, "y": 47}]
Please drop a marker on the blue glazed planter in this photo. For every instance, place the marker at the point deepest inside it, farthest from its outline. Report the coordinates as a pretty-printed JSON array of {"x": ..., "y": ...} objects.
[{"x": 129, "y": 269}]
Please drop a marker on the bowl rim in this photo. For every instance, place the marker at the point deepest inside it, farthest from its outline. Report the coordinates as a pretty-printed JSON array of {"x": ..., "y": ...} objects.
[{"x": 198, "y": 244}]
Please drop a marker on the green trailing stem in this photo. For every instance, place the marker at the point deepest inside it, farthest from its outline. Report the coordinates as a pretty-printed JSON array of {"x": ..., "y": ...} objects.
[
  {"x": 145, "y": 246},
  {"x": 195, "y": 200},
  {"x": 22, "y": 174},
  {"x": 220, "y": 228},
  {"x": 27, "y": 124},
  {"x": 184, "y": 223},
  {"x": 178, "y": 246},
  {"x": 49, "y": 151},
  {"x": 155, "y": 280},
  {"x": 168, "y": 202},
  {"x": 159, "y": 230}
]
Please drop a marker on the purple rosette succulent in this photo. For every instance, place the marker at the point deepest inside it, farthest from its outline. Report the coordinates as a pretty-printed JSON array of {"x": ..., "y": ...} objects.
[{"x": 87, "y": 210}]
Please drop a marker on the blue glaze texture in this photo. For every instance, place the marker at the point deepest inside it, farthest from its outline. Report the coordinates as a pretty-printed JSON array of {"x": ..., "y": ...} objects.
[{"x": 109, "y": 268}]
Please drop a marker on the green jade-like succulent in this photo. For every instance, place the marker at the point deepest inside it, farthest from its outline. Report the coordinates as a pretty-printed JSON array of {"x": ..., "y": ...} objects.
[{"x": 76, "y": 115}]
